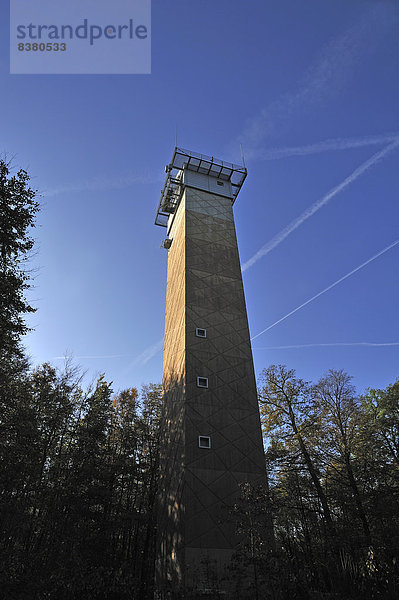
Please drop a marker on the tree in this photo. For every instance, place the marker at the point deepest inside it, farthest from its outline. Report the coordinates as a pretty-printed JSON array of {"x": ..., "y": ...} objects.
[
  {"x": 286, "y": 412},
  {"x": 322, "y": 437},
  {"x": 382, "y": 406},
  {"x": 341, "y": 419},
  {"x": 18, "y": 208},
  {"x": 380, "y": 445}
]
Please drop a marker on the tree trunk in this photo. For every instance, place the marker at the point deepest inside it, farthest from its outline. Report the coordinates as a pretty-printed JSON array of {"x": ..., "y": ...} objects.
[{"x": 313, "y": 474}]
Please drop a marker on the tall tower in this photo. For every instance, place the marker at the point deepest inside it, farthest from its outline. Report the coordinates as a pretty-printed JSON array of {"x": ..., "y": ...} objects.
[{"x": 211, "y": 436}]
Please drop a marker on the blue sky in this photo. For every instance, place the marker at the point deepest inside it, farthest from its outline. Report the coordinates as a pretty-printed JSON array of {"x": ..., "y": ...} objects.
[{"x": 310, "y": 88}]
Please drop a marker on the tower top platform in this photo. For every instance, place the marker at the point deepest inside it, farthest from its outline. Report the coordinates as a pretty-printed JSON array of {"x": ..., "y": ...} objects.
[{"x": 199, "y": 163}]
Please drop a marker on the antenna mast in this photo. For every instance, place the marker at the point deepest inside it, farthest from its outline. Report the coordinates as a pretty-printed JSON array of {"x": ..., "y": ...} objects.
[{"x": 242, "y": 156}]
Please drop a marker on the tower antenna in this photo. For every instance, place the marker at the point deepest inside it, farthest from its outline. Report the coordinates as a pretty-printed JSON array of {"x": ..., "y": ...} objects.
[{"x": 242, "y": 156}]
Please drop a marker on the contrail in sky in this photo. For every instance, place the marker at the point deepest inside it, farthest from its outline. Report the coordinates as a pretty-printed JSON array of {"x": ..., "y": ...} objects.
[
  {"x": 368, "y": 344},
  {"x": 309, "y": 212},
  {"x": 106, "y": 183},
  {"x": 146, "y": 355},
  {"x": 141, "y": 359},
  {"x": 327, "y": 75},
  {"x": 92, "y": 356},
  {"x": 158, "y": 347},
  {"x": 327, "y": 288},
  {"x": 150, "y": 352},
  {"x": 326, "y": 145}
]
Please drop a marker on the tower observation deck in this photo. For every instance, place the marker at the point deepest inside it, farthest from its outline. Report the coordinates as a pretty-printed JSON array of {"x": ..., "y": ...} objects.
[
  {"x": 212, "y": 175},
  {"x": 211, "y": 435}
]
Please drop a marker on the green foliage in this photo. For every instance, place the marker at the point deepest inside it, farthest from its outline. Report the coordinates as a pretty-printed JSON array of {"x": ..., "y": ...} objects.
[
  {"x": 18, "y": 208},
  {"x": 382, "y": 408}
]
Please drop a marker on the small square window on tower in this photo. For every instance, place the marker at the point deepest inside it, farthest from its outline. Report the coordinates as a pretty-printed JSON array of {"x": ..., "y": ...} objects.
[
  {"x": 204, "y": 441},
  {"x": 220, "y": 182},
  {"x": 199, "y": 332},
  {"x": 202, "y": 382}
]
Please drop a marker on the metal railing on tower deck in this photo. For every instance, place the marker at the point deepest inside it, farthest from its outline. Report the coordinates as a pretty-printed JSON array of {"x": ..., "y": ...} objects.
[{"x": 200, "y": 163}]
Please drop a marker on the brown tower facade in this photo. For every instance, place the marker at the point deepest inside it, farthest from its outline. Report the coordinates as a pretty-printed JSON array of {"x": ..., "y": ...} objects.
[{"x": 211, "y": 436}]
